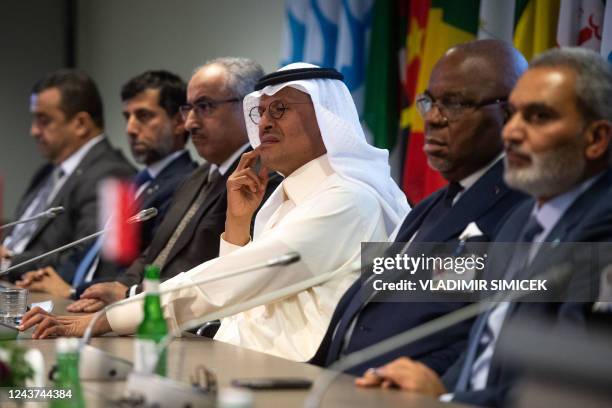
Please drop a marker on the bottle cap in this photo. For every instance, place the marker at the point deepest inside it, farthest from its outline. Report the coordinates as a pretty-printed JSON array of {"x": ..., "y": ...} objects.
[{"x": 67, "y": 345}]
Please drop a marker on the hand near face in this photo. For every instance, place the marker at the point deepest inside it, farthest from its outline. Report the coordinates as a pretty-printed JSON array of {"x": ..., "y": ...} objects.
[
  {"x": 49, "y": 325},
  {"x": 406, "y": 374},
  {"x": 245, "y": 191},
  {"x": 97, "y": 296},
  {"x": 45, "y": 280}
]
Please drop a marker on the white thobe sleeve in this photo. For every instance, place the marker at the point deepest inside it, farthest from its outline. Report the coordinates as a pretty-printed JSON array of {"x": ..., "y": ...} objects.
[{"x": 322, "y": 231}]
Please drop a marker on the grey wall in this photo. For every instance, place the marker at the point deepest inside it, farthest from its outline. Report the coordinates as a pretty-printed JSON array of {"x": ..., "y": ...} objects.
[
  {"x": 118, "y": 39},
  {"x": 31, "y": 44}
]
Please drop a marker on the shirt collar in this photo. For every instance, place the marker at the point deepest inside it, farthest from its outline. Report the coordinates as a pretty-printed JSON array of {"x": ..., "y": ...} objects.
[
  {"x": 71, "y": 163},
  {"x": 470, "y": 180},
  {"x": 549, "y": 213},
  {"x": 224, "y": 167},
  {"x": 160, "y": 165},
  {"x": 306, "y": 179}
]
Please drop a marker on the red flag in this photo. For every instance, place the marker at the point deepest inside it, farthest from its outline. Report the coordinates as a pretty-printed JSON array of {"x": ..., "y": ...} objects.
[{"x": 117, "y": 204}]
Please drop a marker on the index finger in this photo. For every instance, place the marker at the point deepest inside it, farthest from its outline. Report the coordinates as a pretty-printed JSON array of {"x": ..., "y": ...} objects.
[{"x": 246, "y": 159}]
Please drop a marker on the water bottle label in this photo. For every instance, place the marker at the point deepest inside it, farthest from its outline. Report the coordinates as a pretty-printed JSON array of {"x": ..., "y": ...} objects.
[{"x": 145, "y": 357}]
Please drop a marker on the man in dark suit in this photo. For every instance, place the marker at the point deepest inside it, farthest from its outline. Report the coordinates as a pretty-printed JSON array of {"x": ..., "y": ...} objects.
[
  {"x": 68, "y": 125},
  {"x": 470, "y": 111},
  {"x": 558, "y": 151},
  {"x": 157, "y": 136},
  {"x": 189, "y": 234}
]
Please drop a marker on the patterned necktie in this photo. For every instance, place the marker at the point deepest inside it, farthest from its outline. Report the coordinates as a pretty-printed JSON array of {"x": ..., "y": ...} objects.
[
  {"x": 212, "y": 179},
  {"x": 25, "y": 231}
]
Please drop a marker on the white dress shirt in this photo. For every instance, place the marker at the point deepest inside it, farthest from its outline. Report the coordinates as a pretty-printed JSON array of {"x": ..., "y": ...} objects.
[{"x": 317, "y": 213}]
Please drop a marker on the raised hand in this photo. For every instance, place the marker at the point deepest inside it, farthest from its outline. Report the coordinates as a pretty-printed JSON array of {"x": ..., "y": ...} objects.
[{"x": 245, "y": 191}]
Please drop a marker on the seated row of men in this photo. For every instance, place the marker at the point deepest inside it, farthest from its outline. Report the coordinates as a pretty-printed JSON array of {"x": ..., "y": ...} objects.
[{"x": 526, "y": 152}]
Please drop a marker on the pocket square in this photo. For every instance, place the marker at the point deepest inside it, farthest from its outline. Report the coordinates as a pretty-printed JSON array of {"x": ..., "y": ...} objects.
[{"x": 470, "y": 231}]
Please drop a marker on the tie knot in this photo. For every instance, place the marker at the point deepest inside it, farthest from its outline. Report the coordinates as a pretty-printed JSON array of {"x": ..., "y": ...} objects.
[
  {"x": 532, "y": 229},
  {"x": 142, "y": 177},
  {"x": 213, "y": 175},
  {"x": 452, "y": 190}
]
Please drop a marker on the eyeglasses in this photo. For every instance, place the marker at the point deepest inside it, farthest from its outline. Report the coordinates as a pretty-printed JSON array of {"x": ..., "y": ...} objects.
[
  {"x": 451, "y": 109},
  {"x": 276, "y": 109},
  {"x": 203, "y": 107}
]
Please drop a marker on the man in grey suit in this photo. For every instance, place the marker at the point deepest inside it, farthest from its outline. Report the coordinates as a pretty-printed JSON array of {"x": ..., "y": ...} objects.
[{"x": 68, "y": 125}]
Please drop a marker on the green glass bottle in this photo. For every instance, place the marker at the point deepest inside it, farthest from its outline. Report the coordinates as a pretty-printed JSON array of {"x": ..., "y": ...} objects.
[
  {"x": 68, "y": 393},
  {"x": 153, "y": 327}
]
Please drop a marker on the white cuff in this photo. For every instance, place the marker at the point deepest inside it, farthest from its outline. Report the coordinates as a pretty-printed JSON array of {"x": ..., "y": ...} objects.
[{"x": 226, "y": 247}]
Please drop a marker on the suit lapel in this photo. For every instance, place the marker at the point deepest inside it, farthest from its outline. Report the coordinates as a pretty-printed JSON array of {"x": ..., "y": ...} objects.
[
  {"x": 477, "y": 200},
  {"x": 89, "y": 160},
  {"x": 149, "y": 195},
  {"x": 188, "y": 192}
]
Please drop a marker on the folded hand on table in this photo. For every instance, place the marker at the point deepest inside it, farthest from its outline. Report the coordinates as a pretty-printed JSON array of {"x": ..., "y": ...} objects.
[
  {"x": 45, "y": 280},
  {"x": 406, "y": 374},
  {"x": 97, "y": 296},
  {"x": 50, "y": 325}
]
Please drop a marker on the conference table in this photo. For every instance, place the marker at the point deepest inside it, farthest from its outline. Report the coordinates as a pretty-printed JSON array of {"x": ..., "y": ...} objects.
[{"x": 228, "y": 362}]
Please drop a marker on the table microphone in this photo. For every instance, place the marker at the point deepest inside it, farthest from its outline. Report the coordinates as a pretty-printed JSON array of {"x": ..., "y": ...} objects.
[
  {"x": 49, "y": 213},
  {"x": 96, "y": 364},
  {"x": 325, "y": 379},
  {"x": 142, "y": 216}
]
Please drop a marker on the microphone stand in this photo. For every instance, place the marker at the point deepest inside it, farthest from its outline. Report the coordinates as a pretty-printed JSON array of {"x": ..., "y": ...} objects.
[
  {"x": 142, "y": 216},
  {"x": 50, "y": 213}
]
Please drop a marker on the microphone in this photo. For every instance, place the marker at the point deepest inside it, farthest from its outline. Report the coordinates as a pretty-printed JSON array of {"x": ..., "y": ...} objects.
[
  {"x": 49, "y": 213},
  {"x": 324, "y": 381},
  {"x": 139, "y": 217},
  {"x": 100, "y": 365},
  {"x": 143, "y": 215}
]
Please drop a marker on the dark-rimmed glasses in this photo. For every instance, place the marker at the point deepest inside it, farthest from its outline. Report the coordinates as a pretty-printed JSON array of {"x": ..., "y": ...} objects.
[
  {"x": 451, "y": 109},
  {"x": 203, "y": 107},
  {"x": 275, "y": 109}
]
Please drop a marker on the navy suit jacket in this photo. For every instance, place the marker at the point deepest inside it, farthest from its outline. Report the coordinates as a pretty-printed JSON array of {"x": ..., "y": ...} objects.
[
  {"x": 485, "y": 203},
  {"x": 588, "y": 219},
  {"x": 157, "y": 194}
]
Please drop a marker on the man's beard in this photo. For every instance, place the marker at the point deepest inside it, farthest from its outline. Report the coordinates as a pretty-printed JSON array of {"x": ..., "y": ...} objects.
[{"x": 550, "y": 173}]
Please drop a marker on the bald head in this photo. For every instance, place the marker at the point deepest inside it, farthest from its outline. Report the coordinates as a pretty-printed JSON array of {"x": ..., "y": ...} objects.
[
  {"x": 494, "y": 64},
  {"x": 469, "y": 86}
]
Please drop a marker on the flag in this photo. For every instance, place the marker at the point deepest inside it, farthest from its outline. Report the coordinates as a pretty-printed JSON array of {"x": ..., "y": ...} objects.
[
  {"x": 322, "y": 32},
  {"x": 536, "y": 26},
  {"x": 494, "y": 21},
  {"x": 448, "y": 23},
  {"x": 354, "y": 25},
  {"x": 382, "y": 75},
  {"x": 118, "y": 203},
  {"x": 580, "y": 23},
  {"x": 606, "y": 42},
  {"x": 294, "y": 31}
]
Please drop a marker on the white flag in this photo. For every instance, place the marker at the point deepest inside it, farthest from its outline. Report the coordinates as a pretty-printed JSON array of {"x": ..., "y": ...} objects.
[
  {"x": 496, "y": 19},
  {"x": 580, "y": 23}
]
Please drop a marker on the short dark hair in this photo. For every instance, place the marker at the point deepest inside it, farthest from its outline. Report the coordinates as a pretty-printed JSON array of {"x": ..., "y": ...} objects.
[
  {"x": 172, "y": 89},
  {"x": 78, "y": 91}
]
